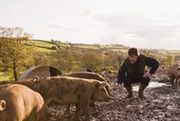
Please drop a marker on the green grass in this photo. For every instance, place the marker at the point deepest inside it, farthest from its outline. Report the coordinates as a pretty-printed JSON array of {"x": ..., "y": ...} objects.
[
  {"x": 42, "y": 43},
  {"x": 86, "y": 46},
  {"x": 46, "y": 45},
  {"x": 5, "y": 76},
  {"x": 39, "y": 49}
]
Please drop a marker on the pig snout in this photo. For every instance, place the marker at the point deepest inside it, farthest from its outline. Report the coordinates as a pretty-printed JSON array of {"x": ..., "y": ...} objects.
[
  {"x": 107, "y": 98},
  {"x": 110, "y": 98},
  {"x": 103, "y": 95}
]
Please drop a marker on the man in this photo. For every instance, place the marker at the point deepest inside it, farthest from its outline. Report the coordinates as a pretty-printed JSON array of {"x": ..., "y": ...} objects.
[{"x": 133, "y": 71}]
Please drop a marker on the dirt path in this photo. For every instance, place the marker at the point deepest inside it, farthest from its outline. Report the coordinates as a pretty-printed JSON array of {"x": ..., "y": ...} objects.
[{"x": 162, "y": 104}]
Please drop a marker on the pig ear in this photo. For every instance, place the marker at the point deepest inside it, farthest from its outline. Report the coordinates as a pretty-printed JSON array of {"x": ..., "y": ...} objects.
[
  {"x": 2, "y": 105},
  {"x": 36, "y": 79}
]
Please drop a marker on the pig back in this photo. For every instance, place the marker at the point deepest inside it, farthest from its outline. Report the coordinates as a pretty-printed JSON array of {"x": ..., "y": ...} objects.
[
  {"x": 172, "y": 70},
  {"x": 87, "y": 75}
]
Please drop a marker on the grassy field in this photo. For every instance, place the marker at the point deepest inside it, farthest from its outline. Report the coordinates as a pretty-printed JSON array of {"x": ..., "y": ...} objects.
[
  {"x": 39, "y": 49},
  {"x": 42, "y": 43}
]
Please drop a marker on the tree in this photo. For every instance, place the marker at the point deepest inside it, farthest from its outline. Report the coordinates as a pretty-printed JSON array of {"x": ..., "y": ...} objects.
[
  {"x": 145, "y": 52},
  {"x": 92, "y": 60},
  {"x": 113, "y": 59},
  {"x": 63, "y": 59},
  {"x": 42, "y": 58},
  {"x": 28, "y": 57},
  {"x": 13, "y": 51},
  {"x": 14, "y": 34}
]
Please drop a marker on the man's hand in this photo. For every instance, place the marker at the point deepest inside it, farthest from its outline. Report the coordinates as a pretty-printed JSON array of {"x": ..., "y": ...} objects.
[{"x": 146, "y": 74}]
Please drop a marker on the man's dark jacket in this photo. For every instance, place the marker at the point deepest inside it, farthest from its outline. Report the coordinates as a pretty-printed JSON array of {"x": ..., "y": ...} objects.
[{"x": 136, "y": 71}]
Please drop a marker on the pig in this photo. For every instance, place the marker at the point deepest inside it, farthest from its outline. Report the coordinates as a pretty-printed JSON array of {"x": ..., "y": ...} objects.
[
  {"x": 20, "y": 103},
  {"x": 174, "y": 73},
  {"x": 72, "y": 90},
  {"x": 162, "y": 70},
  {"x": 30, "y": 82},
  {"x": 90, "y": 75}
]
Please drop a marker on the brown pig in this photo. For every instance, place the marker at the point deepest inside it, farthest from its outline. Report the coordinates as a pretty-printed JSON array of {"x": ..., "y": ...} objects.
[
  {"x": 90, "y": 75},
  {"x": 20, "y": 103},
  {"x": 72, "y": 90},
  {"x": 31, "y": 82},
  {"x": 174, "y": 73}
]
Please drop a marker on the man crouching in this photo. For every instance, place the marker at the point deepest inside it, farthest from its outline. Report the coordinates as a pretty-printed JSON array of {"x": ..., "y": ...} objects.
[{"x": 133, "y": 71}]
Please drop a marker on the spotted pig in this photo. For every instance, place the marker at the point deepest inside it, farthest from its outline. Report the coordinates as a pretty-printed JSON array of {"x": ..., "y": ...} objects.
[{"x": 71, "y": 90}]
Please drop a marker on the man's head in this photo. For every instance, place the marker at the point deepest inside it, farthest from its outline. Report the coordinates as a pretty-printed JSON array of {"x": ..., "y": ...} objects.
[{"x": 133, "y": 55}]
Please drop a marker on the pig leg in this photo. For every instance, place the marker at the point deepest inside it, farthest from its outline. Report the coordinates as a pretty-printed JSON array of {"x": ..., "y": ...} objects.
[
  {"x": 172, "y": 79},
  {"x": 85, "y": 105},
  {"x": 43, "y": 114},
  {"x": 174, "y": 82},
  {"x": 86, "y": 110},
  {"x": 92, "y": 104},
  {"x": 32, "y": 117},
  {"x": 68, "y": 111},
  {"x": 177, "y": 80},
  {"x": 78, "y": 108}
]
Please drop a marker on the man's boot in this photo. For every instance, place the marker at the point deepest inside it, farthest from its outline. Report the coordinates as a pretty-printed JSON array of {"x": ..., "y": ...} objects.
[
  {"x": 141, "y": 91},
  {"x": 130, "y": 92}
]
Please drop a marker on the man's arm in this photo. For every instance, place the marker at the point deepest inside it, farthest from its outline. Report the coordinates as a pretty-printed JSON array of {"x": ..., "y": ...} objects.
[
  {"x": 121, "y": 73},
  {"x": 152, "y": 63}
]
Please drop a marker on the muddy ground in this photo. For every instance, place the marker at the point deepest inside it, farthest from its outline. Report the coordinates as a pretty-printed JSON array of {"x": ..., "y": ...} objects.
[{"x": 162, "y": 104}]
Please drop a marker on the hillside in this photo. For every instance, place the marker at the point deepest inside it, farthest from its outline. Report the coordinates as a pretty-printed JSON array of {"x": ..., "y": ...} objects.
[
  {"x": 43, "y": 45},
  {"x": 112, "y": 51}
]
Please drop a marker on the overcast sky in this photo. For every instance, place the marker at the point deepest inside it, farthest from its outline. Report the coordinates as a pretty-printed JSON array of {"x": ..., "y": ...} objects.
[{"x": 138, "y": 23}]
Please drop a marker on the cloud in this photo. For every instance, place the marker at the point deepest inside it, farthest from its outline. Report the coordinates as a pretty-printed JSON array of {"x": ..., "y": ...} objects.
[
  {"x": 139, "y": 31},
  {"x": 59, "y": 26},
  {"x": 131, "y": 30}
]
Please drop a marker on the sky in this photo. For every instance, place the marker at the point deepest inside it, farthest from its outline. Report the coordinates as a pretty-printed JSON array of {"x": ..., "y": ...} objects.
[{"x": 135, "y": 23}]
